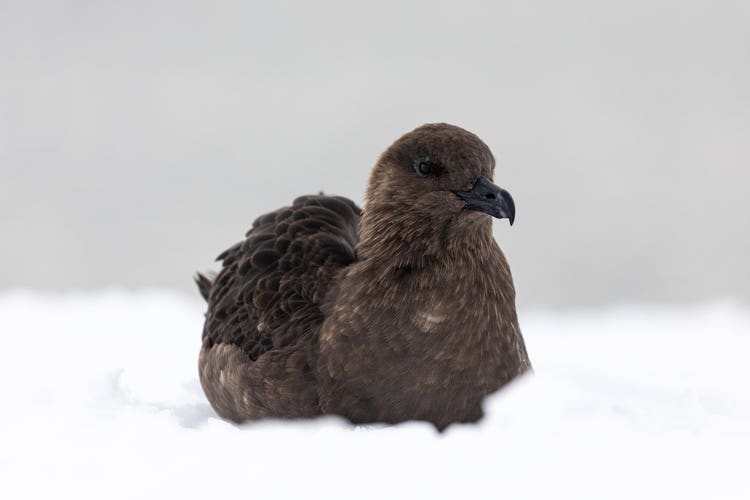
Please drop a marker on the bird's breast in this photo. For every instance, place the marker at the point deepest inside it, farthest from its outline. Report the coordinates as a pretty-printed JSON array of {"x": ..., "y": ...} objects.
[
  {"x": 435, "y": 312},
  {"x": 416, "y": 346},
  {"x": 429, "y": 320}
]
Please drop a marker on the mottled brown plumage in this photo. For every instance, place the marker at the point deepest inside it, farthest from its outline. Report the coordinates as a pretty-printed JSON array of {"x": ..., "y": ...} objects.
[{"x": 403, "y": 312}]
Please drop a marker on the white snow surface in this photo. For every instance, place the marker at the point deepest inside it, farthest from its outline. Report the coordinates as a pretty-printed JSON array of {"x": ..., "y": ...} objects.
[{"x": 100, "y": 399}]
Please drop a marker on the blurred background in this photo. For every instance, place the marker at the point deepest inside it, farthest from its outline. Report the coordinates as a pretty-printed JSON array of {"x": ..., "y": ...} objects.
[{"x": 140, "y": 139}]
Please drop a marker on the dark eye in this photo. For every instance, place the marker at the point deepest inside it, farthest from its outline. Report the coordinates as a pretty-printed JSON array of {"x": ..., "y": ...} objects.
[{"x": 424, "y": 168}]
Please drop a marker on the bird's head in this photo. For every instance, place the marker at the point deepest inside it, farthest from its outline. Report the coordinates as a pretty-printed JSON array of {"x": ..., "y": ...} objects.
[{"x": 440, "y": 173}]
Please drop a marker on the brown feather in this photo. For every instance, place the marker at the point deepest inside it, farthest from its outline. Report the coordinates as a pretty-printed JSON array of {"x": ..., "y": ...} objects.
[
  {"x": 260, "y": 335},
  {"x": 204, "y": 285},
  {"x": 407, "y": 313}
]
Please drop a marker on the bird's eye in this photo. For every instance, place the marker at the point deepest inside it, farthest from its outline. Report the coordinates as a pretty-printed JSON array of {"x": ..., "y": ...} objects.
[{"x": 424, "y": 168}]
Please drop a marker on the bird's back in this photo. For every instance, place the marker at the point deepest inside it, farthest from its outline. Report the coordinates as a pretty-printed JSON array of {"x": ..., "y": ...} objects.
[{"x": 258, "y": 357}]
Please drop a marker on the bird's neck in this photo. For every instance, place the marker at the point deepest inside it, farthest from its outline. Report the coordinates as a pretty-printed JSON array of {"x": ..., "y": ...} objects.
[{"x": 404, "y": 240}]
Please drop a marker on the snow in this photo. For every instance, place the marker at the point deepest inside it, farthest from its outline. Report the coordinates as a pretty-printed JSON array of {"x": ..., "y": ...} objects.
[{"x": 100, "y": 399}]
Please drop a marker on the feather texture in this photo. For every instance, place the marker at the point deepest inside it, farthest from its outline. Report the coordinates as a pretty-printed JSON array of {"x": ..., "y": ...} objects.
[
  {"x": 265, "y": 308},
  {"x": 406, "y": 311}
]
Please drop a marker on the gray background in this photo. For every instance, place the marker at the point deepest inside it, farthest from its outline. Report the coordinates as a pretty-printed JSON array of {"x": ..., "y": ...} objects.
[{"x": 139, "y": 139}]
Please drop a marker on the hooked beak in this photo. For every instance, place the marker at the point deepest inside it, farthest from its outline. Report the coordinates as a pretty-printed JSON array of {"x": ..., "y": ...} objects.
[{"x": 490, "y": 199}]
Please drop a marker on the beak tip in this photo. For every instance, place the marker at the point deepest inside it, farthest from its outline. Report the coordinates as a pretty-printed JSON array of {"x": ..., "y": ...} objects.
[{"x": 490, "y": 199}]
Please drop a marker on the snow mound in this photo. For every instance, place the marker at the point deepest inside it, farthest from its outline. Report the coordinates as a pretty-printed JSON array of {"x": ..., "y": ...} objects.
[{"x": 100, "y": 399}]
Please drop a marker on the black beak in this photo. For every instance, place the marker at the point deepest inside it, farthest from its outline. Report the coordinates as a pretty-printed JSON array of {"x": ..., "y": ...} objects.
[{"x": 490, "y": 199}]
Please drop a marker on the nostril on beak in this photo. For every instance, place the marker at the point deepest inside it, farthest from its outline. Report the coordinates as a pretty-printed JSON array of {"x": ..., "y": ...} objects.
[{"x": 490, "y": 196}]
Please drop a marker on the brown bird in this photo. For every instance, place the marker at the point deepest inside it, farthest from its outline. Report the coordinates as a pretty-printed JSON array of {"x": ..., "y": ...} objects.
[{"x": 405, "y": 311}]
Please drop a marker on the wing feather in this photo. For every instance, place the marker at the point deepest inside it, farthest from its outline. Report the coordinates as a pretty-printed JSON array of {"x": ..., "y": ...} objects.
[{"x": 272, "y": 284}]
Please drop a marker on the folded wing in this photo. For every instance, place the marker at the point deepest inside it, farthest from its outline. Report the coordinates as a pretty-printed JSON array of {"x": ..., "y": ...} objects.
[{"x": 264, "y": 308}]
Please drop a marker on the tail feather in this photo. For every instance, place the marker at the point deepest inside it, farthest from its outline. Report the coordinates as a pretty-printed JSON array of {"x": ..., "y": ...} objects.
[{"x": 204, "y": 285}]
